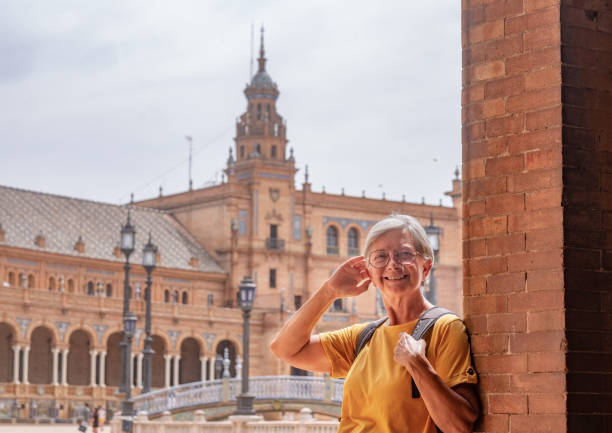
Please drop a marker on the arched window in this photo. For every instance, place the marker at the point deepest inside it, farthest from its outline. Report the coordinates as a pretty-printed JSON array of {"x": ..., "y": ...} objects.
[
  {"x": 273, "y": 152},
  {"x": 11, "y": 278},
  {"x": 51, "y": 283},
  {"x": 331, "y": 236},
  {"x": 90, "y": 288},
  {"x": 109, "y": 290},
  {"x": 258, "y": 149},
  {"x": 185, "y": 298},
  {"x": 338, "y": 305},
  {"x": 166, "y": 296},
  {"x": 353, "y": 242},
  {"x": 242, "y": 151},
  {"x": 258, "y": 111},
  {"x": 70, "y": 285},
  {"x": 31, "y": 282}
]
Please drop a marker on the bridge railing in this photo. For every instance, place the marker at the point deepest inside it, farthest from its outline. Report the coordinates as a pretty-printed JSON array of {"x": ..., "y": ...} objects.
[
  {"x": 193, "y": 394},
  {"x": 305, "y": 423}
]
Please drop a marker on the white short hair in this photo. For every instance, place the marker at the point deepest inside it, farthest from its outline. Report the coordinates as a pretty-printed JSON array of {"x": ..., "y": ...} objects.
[{"x": 406, "y": 223}]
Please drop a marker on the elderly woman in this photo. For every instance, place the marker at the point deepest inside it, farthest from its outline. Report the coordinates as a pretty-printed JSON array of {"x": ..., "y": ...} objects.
[{"x": 378, "y": 396}]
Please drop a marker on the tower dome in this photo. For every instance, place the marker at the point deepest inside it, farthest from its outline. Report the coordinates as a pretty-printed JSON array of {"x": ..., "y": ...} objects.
[{"x": 261, "y": 85}]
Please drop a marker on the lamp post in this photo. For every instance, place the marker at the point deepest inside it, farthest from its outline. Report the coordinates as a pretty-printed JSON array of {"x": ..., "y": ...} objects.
[
  {"x": 244, "y": 402},
  {"x": 128, "y": 240},
  {"x": 127, "y": 405},
  {"x": 433, "y": 234},
  {"x": 149, "y": 260}
]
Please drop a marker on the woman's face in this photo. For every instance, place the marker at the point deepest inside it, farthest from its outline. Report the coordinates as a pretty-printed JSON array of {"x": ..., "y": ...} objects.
[{"x": 397, "y": 277}]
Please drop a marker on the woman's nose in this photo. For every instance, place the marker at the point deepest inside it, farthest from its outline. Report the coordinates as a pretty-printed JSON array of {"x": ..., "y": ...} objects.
[{"x": 393, "y": 261}]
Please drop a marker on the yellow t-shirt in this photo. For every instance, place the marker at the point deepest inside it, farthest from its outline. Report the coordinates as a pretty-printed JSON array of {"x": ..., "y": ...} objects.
[{"x": 377, "y": 393}]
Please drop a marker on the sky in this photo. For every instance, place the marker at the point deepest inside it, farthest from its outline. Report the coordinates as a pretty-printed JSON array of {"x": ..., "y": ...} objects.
[{"x": 96, "y": 98}]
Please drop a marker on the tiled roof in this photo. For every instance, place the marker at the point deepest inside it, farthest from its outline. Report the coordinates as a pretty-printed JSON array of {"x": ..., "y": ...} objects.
[{"x": 61, "y": 220}]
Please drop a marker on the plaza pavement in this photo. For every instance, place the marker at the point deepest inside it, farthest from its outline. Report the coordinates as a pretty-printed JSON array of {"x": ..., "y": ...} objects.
[{"x": 29, "y": 428}]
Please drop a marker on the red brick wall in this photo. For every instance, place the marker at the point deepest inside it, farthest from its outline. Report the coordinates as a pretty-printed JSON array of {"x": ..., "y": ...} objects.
[
  {"x": 586, "y": 38},
  {"x": 537, "y": 170}
]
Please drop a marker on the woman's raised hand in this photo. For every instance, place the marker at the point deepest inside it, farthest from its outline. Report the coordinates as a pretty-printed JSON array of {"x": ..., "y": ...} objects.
[{"x": 350, "y": 279}]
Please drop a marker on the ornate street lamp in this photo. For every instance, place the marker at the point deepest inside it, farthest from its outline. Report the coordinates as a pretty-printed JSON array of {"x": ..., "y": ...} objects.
[
  {"x": 433, "y": 234},
  {"x": 149, "y": 260},
  {"x": 244, "y": 402},
  {"x": 127, "y": 405},
  {"x": 128, "y": 241}
]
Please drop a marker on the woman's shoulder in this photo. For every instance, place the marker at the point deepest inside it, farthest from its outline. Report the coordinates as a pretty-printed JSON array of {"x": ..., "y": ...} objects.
[{"x": 448, "y": 326}]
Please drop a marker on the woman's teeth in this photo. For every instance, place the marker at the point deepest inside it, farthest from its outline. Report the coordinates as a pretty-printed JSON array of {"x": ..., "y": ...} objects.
[{"x": 395, "y": 278}]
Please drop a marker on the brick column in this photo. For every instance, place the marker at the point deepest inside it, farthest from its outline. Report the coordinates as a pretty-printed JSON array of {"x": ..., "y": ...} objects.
[{"x": 537, "y": 191}]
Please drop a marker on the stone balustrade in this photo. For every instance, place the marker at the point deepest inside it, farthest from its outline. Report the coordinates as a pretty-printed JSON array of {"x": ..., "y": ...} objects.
[
  {"x": 235, "y": 424},
  {"x": 282, "y": 388}
]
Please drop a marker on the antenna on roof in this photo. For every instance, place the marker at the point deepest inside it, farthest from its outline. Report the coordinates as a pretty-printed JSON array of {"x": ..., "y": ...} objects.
[
  {"x": 251, "y": 70},
  {"x": 190, "y": 140}
]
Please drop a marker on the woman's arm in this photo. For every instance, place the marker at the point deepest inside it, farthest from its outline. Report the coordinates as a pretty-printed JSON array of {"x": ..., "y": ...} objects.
[
  {"x": 294, "y": 343},
  {"x": 453, "y": 410}
]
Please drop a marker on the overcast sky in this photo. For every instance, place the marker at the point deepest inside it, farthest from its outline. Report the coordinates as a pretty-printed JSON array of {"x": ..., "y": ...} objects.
[{"x": 96, "y": 97}]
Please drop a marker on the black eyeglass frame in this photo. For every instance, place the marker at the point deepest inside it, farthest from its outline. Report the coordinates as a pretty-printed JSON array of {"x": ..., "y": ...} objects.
[{"x": 395, "y": 257}]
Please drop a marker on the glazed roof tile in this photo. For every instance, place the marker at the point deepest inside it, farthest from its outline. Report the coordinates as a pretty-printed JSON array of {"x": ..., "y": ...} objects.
[{"x": 61, "y": 220}]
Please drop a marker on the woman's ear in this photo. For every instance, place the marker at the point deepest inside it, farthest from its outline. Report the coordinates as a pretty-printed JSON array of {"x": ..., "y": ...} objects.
[{"x": 427, "y": 268}]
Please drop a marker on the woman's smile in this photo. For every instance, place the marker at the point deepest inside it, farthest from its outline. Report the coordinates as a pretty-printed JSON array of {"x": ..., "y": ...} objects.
[{"x": 396, "y": 277}]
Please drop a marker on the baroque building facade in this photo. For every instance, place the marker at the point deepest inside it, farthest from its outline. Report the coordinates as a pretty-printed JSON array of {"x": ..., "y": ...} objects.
[{"x": 61, "y": 272}]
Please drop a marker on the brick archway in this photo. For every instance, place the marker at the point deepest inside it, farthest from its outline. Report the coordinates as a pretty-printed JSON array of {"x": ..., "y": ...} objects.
[
  {"x": 40, "y": 365},
  {"x": 113, "y": 359},
  {"x": 78, "y": 358},
  {"x": 158, "y": 366},
  {"x": 7, "y": 340},
  {"x": 190, "y": 365}
]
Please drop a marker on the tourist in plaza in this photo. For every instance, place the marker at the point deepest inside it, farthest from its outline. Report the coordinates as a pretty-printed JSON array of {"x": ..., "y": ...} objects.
[
  {"x": 86, "y": 415},
  {"x": 396, "y": 383},
  {"x": 95, "y": 420},
  {"x": 101, "y": 417}
]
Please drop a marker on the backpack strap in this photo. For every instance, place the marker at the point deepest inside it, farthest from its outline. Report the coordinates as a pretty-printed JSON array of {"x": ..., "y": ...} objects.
[
  {"x": 366, "y": 334},
  {"x": 427, "y": 320}
]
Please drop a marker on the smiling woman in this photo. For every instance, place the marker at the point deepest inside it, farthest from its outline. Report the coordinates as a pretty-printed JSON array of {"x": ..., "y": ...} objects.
[{"x": 396, "y": 383}]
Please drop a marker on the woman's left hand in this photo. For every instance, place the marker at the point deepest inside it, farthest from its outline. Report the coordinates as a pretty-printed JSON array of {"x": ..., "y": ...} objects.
[{"x": 409, "y": 351}]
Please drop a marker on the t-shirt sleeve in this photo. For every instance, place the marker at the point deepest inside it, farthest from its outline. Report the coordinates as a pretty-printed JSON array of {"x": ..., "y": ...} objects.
[
  {"x": 453, "y": 361},
  {"x": 339, "y": 346}
]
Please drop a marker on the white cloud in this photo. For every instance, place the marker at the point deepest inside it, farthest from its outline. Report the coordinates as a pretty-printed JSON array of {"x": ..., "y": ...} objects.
[{"x": 97, "y": 97}]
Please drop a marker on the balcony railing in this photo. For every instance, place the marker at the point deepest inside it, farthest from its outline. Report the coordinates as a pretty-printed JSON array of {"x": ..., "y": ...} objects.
[
  {"x": 332, "y": 251},
  {"x": 275, "y": 244}
]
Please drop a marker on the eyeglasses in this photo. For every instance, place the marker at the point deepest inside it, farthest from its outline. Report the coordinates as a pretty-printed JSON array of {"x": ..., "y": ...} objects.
[{"x": 380, "y": 258}]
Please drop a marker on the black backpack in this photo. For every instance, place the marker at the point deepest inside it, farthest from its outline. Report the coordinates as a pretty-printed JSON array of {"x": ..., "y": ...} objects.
[{"x": 426, "y": 321}]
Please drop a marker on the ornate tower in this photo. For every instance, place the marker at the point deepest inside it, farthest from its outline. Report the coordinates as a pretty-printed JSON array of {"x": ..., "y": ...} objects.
[{"x": 260, "y": 131}]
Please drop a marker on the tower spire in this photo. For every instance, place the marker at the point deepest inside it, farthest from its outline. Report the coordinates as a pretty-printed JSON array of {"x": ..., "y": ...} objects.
[{"x": 262, "y": 53}]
